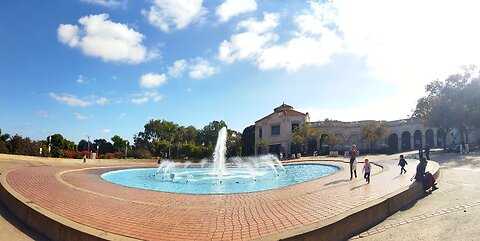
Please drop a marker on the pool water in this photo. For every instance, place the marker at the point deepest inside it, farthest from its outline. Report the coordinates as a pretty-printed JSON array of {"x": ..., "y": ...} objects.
[{"x": 197, "y": 180}]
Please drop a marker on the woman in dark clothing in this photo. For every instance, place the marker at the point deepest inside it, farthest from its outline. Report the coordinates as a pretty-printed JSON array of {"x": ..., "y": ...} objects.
[
  {"x": 420, "y": 174},
  {"x": 427, "y": 180},
  {"x": 353, "y": 156}
]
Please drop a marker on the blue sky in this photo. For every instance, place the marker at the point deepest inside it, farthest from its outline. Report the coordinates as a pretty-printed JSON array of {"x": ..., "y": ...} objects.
[{"x": 106, "y": 67}]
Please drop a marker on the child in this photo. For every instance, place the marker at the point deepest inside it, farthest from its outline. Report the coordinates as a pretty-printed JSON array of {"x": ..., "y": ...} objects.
[
  {"x": 402, "y": 164},
  {"x": 366, "y": 170}
]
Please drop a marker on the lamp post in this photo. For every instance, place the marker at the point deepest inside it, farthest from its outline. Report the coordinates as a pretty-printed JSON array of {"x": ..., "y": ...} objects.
[
  {"x": 126, "y": 149},
  {"x": 88, "y": 144},
  {"x": 49, "y": 145}
]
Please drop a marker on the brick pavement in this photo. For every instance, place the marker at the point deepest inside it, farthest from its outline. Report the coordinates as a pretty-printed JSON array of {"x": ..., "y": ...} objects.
[{"x": 80, "y": 195}]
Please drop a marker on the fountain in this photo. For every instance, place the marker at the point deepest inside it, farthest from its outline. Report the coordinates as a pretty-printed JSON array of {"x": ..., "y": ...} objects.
[
  {"x": 219, "y": 154},
  {"x": 220, "y": 175}
]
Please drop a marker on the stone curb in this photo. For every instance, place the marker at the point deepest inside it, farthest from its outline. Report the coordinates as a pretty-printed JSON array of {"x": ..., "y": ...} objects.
[
  {"x": 47, "y": 223},
  {"x": 359, "y": 219}
]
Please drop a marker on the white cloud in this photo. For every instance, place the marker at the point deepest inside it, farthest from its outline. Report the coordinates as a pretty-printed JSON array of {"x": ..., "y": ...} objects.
[
  {"x": 44, "y": 114},
  {"x": 68, "y": 34},
  {"x": 82, "y": 117},
  {"x": 121, "y": 116},
  {"x": 145, "y": 97},
  {"x": 201, "y": 69},
  {"x": 140, "y": 101},
  {"x": 70, "y": 100},
  {"x": 110, "y": 41},
  {"x": 152, "y": 80},
  {"x": 105, "y": 131},
  {"x": 106, "y": 3},
  {"x": 177, "y": 69},
  {"x": 250, "y": 43},
  {"x": 174, "y": 14},
  {"x": 81, "y": 79},
  {"x": 102, "y": 101},
  {"x": 400, "y": 44},
  {"x": 154, "y": 96},
  {"x": 75, "y": 101},
  {"x": 231, "y": 8}
]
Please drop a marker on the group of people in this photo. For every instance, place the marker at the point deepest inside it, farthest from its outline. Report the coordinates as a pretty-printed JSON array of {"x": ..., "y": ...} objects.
[
  {"x": 353, "y": 165},
  {"x": 421, "y": 175}
]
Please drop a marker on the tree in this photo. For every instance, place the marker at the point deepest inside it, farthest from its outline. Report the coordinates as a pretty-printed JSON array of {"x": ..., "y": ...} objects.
[
  {"x": 119, "y": 144},
  {"x": 374, "y": 131},
  {"x": 330, "y": 139},
  {"x": 22, "y": 146},
  {"x": 234, "y": 143},
  {"x": 248, "y": 141},
  {"x": 83, "y": 145},
  {"x": 4, "y": 137},
  {"x": 303, "y": 135},
  {"x": 3, "y": 142},
  {"x": 103, "y": 146},
  {"x": 209, "y": 133},
  {"x": 453, "y": 103}
]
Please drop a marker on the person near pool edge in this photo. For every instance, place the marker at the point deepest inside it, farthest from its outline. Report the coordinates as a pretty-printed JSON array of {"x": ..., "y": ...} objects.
[{"x": 353, "y": 156}]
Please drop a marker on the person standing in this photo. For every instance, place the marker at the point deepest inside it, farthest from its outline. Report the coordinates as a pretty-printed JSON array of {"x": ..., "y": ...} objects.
[
  {"x": 353, "y": 156},
  {"x": 427, "y": 152},
  {"x": 402, "y": 164},
  {"x": 420, "y": 153},
  {"x": 366, "y": 170}
]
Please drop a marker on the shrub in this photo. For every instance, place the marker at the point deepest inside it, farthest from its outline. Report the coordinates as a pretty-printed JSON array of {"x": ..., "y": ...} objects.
[
  {"x": 114, "y": 155},
  {"x": 75, "y": 154},
  {"x": 140, "y": 154}
]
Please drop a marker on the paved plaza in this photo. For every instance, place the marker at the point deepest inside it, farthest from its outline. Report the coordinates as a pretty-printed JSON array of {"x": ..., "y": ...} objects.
[{"x": 73, "y": 191}]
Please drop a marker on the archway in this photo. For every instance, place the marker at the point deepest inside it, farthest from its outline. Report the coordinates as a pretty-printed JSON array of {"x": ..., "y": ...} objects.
[
  {"x": 406, "y": 145},
  {"x": 392, "y": 143},
  {"x": 353, "y": 139},
  {"x": 440, "y": 136},
  {"x": 417, "y": 139},
  {"x": 429, "y": 138}
]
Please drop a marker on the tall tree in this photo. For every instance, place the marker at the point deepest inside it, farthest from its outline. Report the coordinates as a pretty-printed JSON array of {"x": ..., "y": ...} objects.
[
  {"x": 119, "y": 144},
  {"x": 83, "y": 145},
  {"x": 234, "y": 143},
  {"x": 102, "y": 146},
  {"x": 248, "y": 141},
  {"x": 453, "y": 103}
]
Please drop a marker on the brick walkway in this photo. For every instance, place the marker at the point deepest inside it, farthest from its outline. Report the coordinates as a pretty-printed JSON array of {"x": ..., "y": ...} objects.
[{"x": 79, "y": 194}]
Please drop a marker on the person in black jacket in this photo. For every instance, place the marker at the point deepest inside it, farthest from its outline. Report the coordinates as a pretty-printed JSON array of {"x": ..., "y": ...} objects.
[
  {"x": 402, "y": 164},
  {"x": 353, "y": 156},
  {"x": 427, "y": 152}
]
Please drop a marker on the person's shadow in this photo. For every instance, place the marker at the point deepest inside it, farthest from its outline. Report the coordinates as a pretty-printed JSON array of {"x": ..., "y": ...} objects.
[
  {"x": 337, "y": 182},
  {"x": 357, "y": 187}
]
